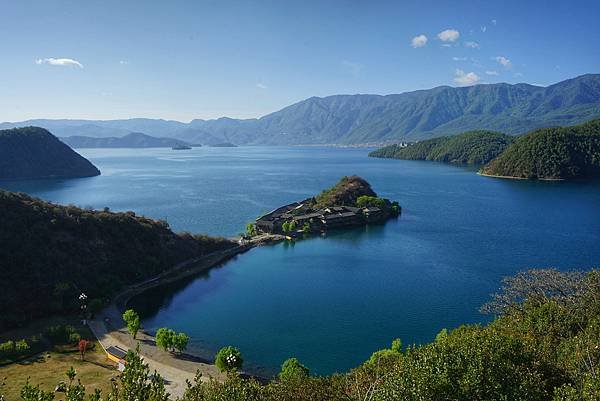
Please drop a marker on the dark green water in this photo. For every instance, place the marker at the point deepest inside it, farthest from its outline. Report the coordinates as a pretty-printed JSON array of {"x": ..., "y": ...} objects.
[{"x": 332, "y": 301}]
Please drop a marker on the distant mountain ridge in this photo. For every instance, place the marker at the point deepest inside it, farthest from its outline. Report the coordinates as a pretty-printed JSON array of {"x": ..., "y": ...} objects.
[
  {"x": 133, "y": 140},
  {"x": 32, "y": 153},
  {"x": 353, "y": 119}
]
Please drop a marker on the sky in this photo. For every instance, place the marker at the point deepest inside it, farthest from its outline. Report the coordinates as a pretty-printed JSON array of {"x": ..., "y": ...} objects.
[{"x": 183, "y": 60}]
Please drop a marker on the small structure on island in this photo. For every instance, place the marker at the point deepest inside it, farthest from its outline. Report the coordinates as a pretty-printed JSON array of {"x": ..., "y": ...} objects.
[
  {"x": 117, "y": 354},
  {"x": 350, "y": 202}
]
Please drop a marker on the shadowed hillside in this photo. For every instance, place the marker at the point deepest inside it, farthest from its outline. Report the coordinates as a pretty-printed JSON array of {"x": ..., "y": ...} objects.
[
  {"x": 33, "y": 152},
  {"x": 50, "y": 253}
]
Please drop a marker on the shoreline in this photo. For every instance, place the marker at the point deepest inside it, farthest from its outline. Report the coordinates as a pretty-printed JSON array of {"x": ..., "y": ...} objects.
[
  {"x": 109, "y": 328},
  {"x": 509, "y": 177}
]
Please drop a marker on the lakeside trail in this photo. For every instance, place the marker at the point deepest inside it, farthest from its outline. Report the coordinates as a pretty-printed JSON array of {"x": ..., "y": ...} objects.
[
  {"x": 110, "y": 329},
  {"x": 508, "y": 177}
]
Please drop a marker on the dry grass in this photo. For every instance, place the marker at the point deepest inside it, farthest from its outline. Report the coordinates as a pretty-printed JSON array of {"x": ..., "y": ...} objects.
[{"x": 49, "y": 367}]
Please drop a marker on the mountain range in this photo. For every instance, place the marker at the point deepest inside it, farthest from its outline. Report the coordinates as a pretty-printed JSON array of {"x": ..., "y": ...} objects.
[
  {"x": 133, "y": 140},
  {"x": 360, "y": 119}
]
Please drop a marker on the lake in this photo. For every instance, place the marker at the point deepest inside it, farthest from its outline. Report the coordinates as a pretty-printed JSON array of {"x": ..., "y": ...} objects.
[{"x": 331, "y": 301}]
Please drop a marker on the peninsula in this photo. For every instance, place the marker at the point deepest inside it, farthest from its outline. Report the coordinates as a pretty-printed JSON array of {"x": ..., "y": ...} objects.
[
  {"x": 34, "y": 153},
  {"x": 351, "y": 202}
]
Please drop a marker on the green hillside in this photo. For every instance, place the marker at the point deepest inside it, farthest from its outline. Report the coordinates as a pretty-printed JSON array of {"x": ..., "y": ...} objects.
[
  {"x": 50, "y": 253},
  {"x": 552, "y": 153},
  {"x": 475, "y": 147},
  {"x": 32, "y": 152}
]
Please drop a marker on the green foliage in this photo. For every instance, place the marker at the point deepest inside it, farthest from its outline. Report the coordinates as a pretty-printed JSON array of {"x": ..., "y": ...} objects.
[
  {"x": 164, "y": 338},
  {"x": 31, "y": 393},
  {"x": 292, "y": 370},
  {"x": 289, "y": 226},
  {"x": 370, "y": 201},
  {"x": 51, "y": 251},
  {"x": 168, "y": 340},
  {"x": 345, "y": 192},
  {"x": 180, "y": 342},
  {"x": 94, "y": 306},
  {"x": 474, "y": 147},
  {"x": 22, "y": 347},
  {"x": 552, "y": 153},
  {"x": 251, "y": 229},
  {"x": 229, "y": 359},
  {"x": 132, "y": 319},
  {"x": 62, "y": 334}
]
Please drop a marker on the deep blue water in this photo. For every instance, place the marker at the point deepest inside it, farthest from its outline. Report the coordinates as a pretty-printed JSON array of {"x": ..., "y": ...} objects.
[{"x": 332, "y": 301}]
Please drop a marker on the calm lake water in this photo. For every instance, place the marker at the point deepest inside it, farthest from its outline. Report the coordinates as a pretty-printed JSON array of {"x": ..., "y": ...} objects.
[{"x": 332, "y": 301}]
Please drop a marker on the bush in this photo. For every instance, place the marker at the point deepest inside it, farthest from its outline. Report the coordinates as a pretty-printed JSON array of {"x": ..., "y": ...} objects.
[
  {"x": 292, "y": 370},
  {"x": 7, "y": 348},
  {"x": 22, "y": 347},
  {"x": 229, "y": 359},
  {"x": 62, "y": 334}
]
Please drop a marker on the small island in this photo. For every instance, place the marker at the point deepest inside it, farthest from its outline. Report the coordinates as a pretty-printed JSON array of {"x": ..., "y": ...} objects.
[
  {"x": 223, "y": 145},
  {"x": 181, "y": 147},
  {"x": 351, "y": 202}
]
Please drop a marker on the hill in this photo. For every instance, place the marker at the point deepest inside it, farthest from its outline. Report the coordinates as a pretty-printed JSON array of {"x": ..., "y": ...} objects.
[
  {"x": 351, "y": 119},
  {"x": 51, "y": 253},
  {"x": 551, "y": 153},
  {"x": 132, "y": 140},
  {"x": 31, "y": 152},
  {"x": 475, "y": 147}
]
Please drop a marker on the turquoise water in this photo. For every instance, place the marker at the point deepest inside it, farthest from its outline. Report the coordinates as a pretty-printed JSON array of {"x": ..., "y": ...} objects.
[{"x": 332, "y": 301}]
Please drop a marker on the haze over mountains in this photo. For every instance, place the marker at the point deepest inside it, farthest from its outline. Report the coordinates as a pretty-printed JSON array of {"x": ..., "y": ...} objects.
[{"x": 356, "y": 119}]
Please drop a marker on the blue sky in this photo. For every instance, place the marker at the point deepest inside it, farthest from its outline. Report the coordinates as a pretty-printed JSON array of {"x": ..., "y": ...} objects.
[{"x": 205, "y": 59}]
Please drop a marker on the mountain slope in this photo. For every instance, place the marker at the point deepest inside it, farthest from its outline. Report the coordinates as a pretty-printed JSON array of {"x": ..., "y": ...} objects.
[
  {"x": 347, "y": 119},
  {"x": 551, "y": 153},
  {"x": 474, "y": 147},
  {"x": 31, "y": 152},
  {"x": 50, "y": 253},
  {"x": 133, "y": 140}
]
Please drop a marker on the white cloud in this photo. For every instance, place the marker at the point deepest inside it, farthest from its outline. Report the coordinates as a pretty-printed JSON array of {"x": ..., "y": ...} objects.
[
  {"x": 68, "y": 62},
  {"x": 418, "y": 41},
  {"x": 483, "y": 29},
  {"x": 459, "y": 58},
  {"x": 261, "y": 86},
  {"x": 494, "y": 22},
  {"x": 492, "y": 72},
  {"x": 123, "y": 62},
  {"x": 465, "y": 78},
  {"x": 504, "y": 61},
  {"x": 449, "y": 35},
  {"x": 352, "y": 67},
  {"x": 446, "y": 45},
  {"x": 472, "y": 45}
]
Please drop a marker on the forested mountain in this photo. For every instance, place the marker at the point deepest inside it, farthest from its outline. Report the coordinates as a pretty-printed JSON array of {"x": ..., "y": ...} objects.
[
  {"x": 50, "y": 253},
  {"x": 133, "y": 140},
  {"x": 475, "y": 147},
  {"x": 32, "y": 152},
  {"x": 552, "y": 153},
  {"x": 351, "y": 119}
]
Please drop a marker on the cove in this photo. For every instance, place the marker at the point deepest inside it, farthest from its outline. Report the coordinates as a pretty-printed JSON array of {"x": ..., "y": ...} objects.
[{"x": 331, "y": 301}]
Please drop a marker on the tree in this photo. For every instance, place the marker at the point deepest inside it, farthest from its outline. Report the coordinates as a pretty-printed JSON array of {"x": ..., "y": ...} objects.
[
  {"x": 251, "y": 229},
  {"x": 136, "y": 382},
  {"x": 229, "y": 359},
  {"x": 165, "y": 338},
  {"x": 292, "y": 370},
  {"x": 180, "y": 342},
  {"x": 82, "y": 347},
  {"x": 132, "y": 319},
  {"x": 94, "y": 307}
]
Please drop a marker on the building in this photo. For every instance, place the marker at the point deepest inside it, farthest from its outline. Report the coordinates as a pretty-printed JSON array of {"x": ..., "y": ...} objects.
[{"x": 117, "y": 354}]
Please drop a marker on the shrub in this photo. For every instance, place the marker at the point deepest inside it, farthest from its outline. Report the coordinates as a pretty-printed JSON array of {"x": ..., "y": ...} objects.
[
  {"x": 229, "y": 359},
  {"x": 22, "y": 347},
  {"x": 292, "y": 369}
]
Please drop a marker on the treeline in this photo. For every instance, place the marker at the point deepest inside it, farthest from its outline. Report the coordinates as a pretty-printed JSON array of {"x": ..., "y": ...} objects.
[
  {"x": 542, "y": 346},
  {"x": 52, "y": 253},
  {"x": 548, "y": 153},
  {"x": 474, "y": 147},
  {"x": 552, "y": 153}
]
